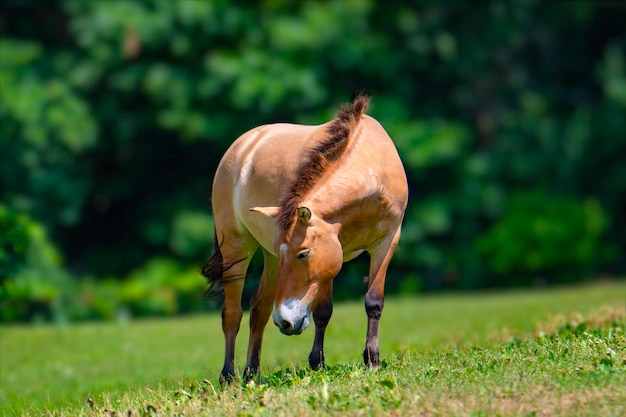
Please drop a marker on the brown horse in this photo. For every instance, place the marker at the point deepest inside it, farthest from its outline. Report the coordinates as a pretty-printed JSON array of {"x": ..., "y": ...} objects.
[{"x": 312, "y": 198}]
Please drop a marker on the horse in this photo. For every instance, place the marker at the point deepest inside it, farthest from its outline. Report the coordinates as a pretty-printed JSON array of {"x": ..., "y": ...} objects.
[{"x": 311, "y": 198}]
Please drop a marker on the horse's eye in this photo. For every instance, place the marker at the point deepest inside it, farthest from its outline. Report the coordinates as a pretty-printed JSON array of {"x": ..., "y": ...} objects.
[{"x": 303, "y": 255}]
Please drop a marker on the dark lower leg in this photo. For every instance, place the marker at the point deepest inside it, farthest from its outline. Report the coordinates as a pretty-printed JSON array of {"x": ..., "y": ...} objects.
[
  {"x": 231, "y": 319},
  {"x": 254, "y": 347},
  {"x": 373, "y": 307},
  {"x": 321, "y": 317},
  {"x": 261, "y": 308}
]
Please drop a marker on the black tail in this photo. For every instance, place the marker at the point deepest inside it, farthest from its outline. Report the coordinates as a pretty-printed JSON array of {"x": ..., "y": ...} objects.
[{"x": 214, "y": 269}]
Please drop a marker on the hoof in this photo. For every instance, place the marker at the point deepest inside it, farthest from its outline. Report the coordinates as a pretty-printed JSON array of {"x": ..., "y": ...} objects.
[
  {"x": 227, "y": 377},
  {"x": 250, "y": 374},
  {"x": 371, "y": 358},
  {"x": 316, "y": 360}
]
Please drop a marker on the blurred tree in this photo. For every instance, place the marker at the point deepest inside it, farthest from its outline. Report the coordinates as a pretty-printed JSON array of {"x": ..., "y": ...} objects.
[
  {"x": 116, "y": 113},
  {"x": 33, "y": 280},
  {"x": 543, "y": 236},
  {"x": 14, "y": 241},
  {"x": 45, "y": 130}
]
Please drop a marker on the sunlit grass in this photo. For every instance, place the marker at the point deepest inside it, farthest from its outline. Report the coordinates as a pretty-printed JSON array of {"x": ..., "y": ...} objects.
[{"x": 458, "y": 340}]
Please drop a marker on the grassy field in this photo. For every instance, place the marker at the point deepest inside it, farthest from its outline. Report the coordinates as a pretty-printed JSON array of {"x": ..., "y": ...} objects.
[{"x": 549, "y": 352}]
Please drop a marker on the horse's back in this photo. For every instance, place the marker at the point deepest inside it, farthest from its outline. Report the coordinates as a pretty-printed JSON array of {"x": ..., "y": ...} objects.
[
  {"x": 254, "y": 172},
  {"x": 382, "y": 154},
  {"x": 259, "y": 166}
]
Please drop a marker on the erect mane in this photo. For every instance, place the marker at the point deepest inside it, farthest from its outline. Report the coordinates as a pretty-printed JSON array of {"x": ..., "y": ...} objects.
[{"x": 318, "y": 158}]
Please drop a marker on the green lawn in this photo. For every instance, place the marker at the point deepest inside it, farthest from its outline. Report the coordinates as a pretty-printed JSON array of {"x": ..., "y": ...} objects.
[{"x": 511, "y": 353}]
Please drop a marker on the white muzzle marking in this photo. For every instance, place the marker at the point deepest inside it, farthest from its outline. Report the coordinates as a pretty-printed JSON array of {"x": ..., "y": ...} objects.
[{"x": 291, "y": 317}]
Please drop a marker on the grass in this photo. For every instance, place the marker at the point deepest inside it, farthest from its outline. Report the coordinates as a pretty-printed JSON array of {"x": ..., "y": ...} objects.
[{"x": 551, "y": 352}]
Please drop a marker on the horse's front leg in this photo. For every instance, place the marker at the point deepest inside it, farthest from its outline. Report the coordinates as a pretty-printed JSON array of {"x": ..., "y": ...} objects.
[
  {"x": 321, "y": 316},
  {"x": 375, "y": 298},
  {"x": 260, "y": 310},
  {"x": 374, "y": 302}
]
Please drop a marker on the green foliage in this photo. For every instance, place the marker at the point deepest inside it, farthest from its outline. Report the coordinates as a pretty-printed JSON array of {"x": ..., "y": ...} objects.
[
  {"x": 542, "y": 234},
  {"x": 430, "y": 143},
  {"x": 14, "y": 242},
  {"x": 115, "y": 115},
  {"x": 46, "y": 129},
  {"x": 162, "y": 287},
  {"x": 191, "y": 233},
  {"x": 35, "y": 281}
]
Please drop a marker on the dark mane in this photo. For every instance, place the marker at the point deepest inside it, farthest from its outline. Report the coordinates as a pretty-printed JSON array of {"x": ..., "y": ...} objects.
[{"x": 317, "y": 159}]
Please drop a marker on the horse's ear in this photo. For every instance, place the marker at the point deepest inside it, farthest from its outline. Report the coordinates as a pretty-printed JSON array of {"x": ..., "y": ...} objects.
[
  {"x": 304, "y": 215},
  {"x": 268, "y": 211}
]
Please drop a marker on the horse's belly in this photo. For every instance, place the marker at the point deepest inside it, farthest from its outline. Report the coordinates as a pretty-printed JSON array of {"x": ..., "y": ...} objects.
[{"x": 351, "y": 255}]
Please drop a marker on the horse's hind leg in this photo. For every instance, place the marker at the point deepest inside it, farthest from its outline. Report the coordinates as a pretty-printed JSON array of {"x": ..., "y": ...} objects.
[
  {"x": 237, "y": 256},
  {"x": 375, "y": 298},
  {"x": 260, "y": 310}
]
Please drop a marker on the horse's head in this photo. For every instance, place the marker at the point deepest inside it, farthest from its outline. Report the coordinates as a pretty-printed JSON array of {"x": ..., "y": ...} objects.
[{"x": 309, "y": 257}]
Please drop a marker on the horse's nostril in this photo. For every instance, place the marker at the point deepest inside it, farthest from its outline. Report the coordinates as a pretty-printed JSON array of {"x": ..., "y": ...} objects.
[{"x": 284, "y": 324}]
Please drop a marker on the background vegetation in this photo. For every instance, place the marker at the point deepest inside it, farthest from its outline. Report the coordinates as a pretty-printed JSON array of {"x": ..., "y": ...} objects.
[{"x": 509, "y": 117}]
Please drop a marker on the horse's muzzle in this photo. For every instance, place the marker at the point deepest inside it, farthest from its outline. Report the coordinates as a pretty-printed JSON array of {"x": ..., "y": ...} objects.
[
  {"x": 291, "y": 317},
  {"x": 290, "y": 329}
]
